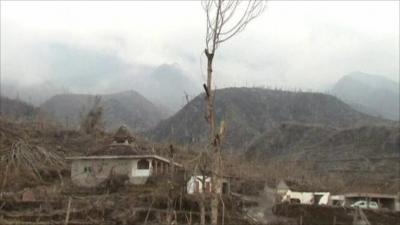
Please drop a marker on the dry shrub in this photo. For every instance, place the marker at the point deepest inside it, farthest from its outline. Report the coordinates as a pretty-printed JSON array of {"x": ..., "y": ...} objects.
[
  {"x": 23, "y": 164},
  {"x": 113, "y": 183}
]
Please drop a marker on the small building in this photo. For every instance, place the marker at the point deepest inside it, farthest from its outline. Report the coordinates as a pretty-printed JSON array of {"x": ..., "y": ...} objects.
[
  {"x": 385, "y": 201},
  {"x": 336, "y": 200},
  {"x": 293, "y": 192},
  {"x": 121, "y": 158},
  {"x": 195, "y": 185}
]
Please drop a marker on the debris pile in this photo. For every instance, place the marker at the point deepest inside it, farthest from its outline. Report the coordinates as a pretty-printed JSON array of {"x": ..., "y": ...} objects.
[{"x": 23, "y": 164}]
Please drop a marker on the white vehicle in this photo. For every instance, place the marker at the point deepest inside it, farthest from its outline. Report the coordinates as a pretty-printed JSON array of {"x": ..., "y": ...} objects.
[{"x": 364, "y": 204}]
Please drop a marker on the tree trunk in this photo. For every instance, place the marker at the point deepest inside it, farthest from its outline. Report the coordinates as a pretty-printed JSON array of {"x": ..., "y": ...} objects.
[
  {"x": 202, "y": 212},
  {"x": 171, "y": 171},
  {"x": 216, "y": 184},
  {"x": 214, "y": 149},
  {"x": 209, "y": 96}
]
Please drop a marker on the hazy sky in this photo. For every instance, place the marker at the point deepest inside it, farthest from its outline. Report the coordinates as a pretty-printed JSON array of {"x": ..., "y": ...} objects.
[{"x": 293, "y": 44}]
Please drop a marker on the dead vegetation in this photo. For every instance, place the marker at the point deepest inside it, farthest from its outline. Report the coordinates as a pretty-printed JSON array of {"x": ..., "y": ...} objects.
[
  {"x": 23, "y": 163},
  {"x": 32, "y": 163},
  {"x": 37, "y": 191},
  {"x": 93, "y": 122}
]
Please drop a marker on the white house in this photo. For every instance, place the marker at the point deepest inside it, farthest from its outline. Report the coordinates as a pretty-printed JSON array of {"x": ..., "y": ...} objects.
[
  {"x": 296, "y": 193},
  {"x": 89, "y": 171},
  {"x": 318, "y": 198},
  {"x": 121, "y": 157},
  {"x": 195, "y": 185}
]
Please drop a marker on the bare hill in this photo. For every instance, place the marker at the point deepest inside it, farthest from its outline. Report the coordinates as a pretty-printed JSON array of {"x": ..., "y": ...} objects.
[
  {"x": 249, "y": 112},
  {"x": 16, "y": 109},
  {"x": 129, "y": 108}
]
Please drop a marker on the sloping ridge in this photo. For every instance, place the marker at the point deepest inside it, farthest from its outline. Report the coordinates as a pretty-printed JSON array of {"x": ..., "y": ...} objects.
[
  {"x": 249, "y": 112},
  {"x": 129, "y": 108},
  {"x": 371, "y": 94}
]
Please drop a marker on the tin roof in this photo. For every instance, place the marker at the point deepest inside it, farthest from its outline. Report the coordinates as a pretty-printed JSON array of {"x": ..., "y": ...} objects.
[
  {"x": 370, "y": 195},
  {"x": 110, "y": 157}
]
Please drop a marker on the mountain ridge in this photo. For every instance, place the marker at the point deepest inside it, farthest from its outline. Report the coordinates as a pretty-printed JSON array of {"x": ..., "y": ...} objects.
[
  {"x": 248, "y": 112},
  {"x": 128, "y": 107}
]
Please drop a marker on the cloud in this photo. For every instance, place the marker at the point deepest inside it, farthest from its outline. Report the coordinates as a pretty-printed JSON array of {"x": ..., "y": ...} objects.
[{"x": 293, "y": 44}]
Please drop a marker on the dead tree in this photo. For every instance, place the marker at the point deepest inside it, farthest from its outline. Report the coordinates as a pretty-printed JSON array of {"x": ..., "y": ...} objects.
[
  {"x": 171, "y": 184},
  {"x": 92, "y": 123},
  {"x": 225, "y": 19}
]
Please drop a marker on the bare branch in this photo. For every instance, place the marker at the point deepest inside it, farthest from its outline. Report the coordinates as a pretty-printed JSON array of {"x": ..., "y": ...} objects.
[{"x": 220, "y": 15}]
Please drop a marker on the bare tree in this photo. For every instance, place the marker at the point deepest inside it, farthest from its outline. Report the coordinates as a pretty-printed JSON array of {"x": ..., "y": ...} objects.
[
  {"x": 225, "y": 19},
  {"x": 92, "y": 123}
]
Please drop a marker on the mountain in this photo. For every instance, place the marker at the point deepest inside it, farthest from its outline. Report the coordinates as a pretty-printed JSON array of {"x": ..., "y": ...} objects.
[
  {"x": 16, "y": 109},
  {"x": 167, "y": 85},
  {"x": 371, "y": 94},
  {"x": 129, "y": 108},
  {"x": 99, "y": 71},
  {"x": 249, "y": 112}
]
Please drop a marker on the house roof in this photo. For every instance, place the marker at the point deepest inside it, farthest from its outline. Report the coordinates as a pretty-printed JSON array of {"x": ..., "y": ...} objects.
[
  {"x": 110, "y": 157},
  {"x": 370, "y": 195},
  {"x": 122, "y": 145},
  {"x": 120, "y": 149},
  {"x": 123, "y": 148}
]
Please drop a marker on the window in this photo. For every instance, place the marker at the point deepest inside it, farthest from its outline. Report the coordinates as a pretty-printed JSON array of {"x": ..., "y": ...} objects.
[
  {"x": 197, "y": 187},
  {"x": 208, "y": 187},
  {"x": 143, "y": 164},
  {"x": 225, "y": 188},
  {"x": 87, "y": 169}
]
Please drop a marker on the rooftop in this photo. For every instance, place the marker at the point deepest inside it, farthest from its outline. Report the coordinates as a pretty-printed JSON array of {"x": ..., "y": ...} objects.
[
  {"x": 120, "y": 149},
  {"x": 110, "y": 157},
  {"x": 371, "y": 195}
]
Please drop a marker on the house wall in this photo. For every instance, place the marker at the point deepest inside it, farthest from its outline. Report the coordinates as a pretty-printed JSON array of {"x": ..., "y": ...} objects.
[
  {"x": 140, "y": 176},
  {"x": 336, "y": 200},
  {"x": 195, "y": 185},
  {"x": 307, "y": 197},
  {"x": 89, "y": 173}
]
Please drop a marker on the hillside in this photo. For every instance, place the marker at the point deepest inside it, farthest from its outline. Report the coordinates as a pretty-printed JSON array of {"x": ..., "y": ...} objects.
[
  {"x": 371, "y": 94},
  {"x": 129, "y": 108},
  {"x": 326, "y": 143},
  {"x": 16, "y": 109},
  {"x": 249, "y": 112},
  {"x": 368, "y": 152}
]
